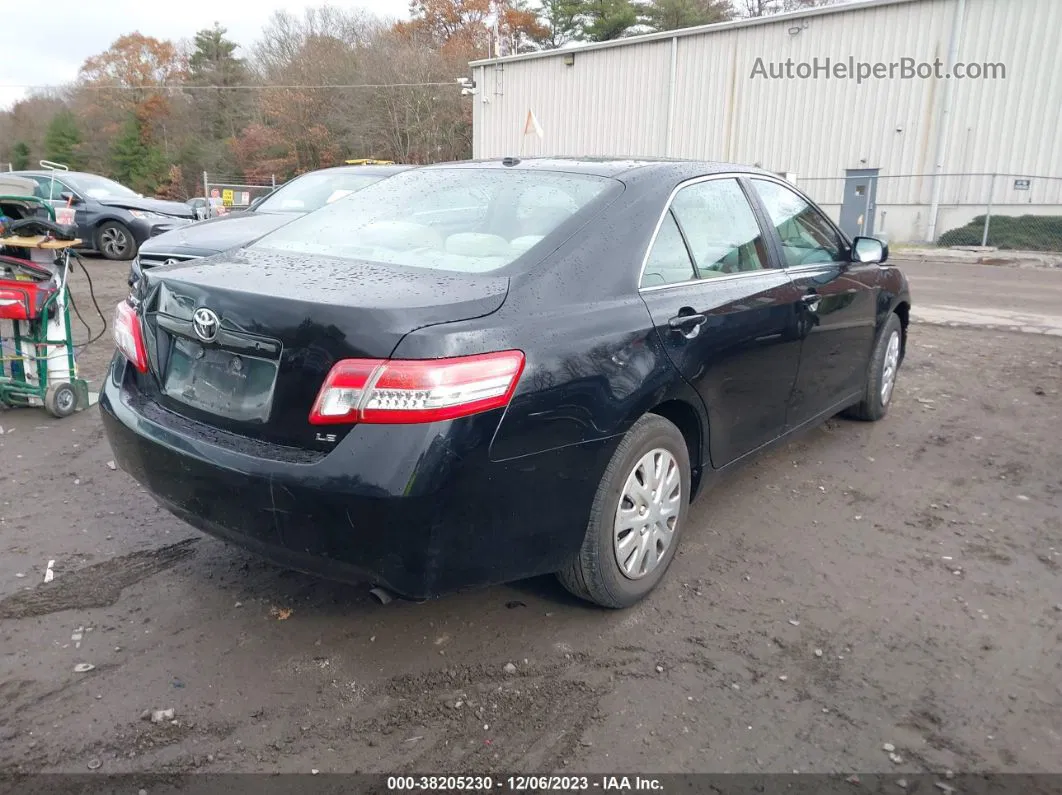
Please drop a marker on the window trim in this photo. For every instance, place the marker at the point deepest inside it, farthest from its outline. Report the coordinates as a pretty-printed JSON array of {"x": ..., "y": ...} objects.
[
  {"x": 754, "y": 206},
  {"x": 685, "y": 243},
  {"x": 776, "y": 240}
]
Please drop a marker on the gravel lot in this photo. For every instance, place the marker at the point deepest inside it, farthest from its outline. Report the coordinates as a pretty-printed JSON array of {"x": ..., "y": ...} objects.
[{"x": 867, "y": 584}]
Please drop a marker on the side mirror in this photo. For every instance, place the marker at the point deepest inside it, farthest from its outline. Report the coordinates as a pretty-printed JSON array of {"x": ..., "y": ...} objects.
[
  {"x": 67, "y": 196},
  {"x": 869, "y": 249}
]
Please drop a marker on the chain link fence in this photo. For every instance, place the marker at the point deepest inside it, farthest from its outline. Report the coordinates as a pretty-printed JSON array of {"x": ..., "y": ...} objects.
[
  {"x": 225, "y": 193},
  {"x": 1005, "y": 211}
]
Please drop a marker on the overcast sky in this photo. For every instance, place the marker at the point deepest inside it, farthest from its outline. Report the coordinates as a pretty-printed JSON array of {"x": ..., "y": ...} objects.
[{"x": 50, "y": 47}]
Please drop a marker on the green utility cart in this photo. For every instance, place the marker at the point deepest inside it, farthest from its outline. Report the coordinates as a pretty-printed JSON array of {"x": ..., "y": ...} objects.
[{"x": 37, "y": 361}]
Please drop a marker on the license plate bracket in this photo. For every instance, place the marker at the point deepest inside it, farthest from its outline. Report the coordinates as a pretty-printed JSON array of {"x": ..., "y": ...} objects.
[{"x": 220, "y": 382}]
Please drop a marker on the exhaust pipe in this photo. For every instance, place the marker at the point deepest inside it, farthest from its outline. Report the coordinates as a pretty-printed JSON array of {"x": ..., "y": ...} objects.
[{"x": 382, "y": 595}]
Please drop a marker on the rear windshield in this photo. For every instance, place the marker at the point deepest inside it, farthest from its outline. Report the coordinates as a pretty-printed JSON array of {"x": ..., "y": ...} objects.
[{"x": 455, "y": 219}]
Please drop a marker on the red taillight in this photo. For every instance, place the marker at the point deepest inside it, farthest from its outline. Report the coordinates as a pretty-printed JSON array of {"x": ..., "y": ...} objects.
[
  {"x": 416, "y": 390},
  {"x": 128, "y": 336},
  {"x": 13, "y": 304}
]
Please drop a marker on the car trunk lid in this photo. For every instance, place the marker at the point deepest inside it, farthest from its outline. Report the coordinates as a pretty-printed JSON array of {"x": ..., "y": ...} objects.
[{"x": 243, "y": 343}]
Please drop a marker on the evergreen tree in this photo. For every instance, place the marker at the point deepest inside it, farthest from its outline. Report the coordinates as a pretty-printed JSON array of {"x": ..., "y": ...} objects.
[
  {"x": 604, "y": 20},
  {"x": 20, "y": 155},
  {"x": 135, "y": 161},
  {"x": 62, "y": 140},
  {"x": 223, "y": 112},
  {"x": 675, "y": 14},
  {"x": 561, "y": 18}
]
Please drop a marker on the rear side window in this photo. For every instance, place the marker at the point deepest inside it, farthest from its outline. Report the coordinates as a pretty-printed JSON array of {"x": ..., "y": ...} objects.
[
  {"x": 712, "y": 222},
  {"x": 720, "y": 227},
  {"x": 669, "y": 262},
  {"x": 456, "y": 219}
]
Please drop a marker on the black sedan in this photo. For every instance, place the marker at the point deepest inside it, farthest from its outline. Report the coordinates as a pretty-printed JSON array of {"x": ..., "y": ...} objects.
[
  {"x": 472, "y": 373},
  {"x": 110, "y": 218},
  {"x": 301, "y": 195}
]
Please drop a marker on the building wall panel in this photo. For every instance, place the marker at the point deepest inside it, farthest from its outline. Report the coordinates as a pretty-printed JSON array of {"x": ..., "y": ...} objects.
[
  {"x": 610, "y": 102},
  {"x": 615, "y": 100}
]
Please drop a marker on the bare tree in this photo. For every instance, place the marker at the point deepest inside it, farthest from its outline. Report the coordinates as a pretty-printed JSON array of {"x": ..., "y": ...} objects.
[
  {"x": 311, "y": 115},
  {"x": 420, "y": 117},
  {"x": 27, "y": 123}
]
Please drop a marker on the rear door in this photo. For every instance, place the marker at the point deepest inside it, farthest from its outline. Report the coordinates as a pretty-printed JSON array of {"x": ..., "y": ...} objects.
[
  {"x": 839, "y": 299},
  {"x": 725, "y": 314}
]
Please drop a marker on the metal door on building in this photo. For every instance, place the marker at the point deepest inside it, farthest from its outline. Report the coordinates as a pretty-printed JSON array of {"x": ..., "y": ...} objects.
[{"x": 860, "y": 201}]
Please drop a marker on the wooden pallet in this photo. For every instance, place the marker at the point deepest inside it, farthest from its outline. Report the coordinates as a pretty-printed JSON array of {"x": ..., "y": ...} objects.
[{"x": 38, "y": 241}]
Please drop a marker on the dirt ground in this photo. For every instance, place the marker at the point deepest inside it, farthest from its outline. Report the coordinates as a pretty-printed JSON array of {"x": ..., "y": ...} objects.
[{"x": 867, "y": 584}]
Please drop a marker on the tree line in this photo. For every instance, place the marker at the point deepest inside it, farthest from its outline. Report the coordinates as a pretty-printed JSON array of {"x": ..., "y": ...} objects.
[{"x": 311, "y": 91}]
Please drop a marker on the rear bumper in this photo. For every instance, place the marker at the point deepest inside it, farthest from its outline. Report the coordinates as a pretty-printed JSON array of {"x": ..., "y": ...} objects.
[{"x": 420, "y": 509}]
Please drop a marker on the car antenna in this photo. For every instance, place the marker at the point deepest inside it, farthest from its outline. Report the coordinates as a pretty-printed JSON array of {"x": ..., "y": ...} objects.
[{"x": 510, "y": 161}]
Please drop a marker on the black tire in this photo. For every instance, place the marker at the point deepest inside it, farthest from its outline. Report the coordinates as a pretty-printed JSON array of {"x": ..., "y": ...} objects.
[
  {"x": 115, "y": 242},
  {"x": 60, "y": 400},
  {"x": 595, "y": 574},
  {"x": 873, "y": 406}
]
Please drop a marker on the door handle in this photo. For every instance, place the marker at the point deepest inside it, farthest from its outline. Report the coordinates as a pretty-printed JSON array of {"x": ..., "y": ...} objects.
[
  {"x": 811, "y": 301},
  {"x": 687, "y": 322}
]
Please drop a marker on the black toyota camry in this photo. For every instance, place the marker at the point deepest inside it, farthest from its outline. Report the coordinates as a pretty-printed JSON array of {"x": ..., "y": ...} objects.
[{"x": 476, "y": 372}]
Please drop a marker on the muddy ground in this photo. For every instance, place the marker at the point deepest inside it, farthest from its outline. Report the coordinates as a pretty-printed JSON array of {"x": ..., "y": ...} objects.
[{"x": 867, "y": 584}]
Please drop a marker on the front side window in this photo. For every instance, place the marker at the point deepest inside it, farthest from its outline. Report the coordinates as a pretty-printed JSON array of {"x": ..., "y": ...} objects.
[
  {"x": 720, "y": 228},
  {"x": 807, "y": 237},
  {"x": 456, "y": 219},
  {"x": 49, "y": 189}
]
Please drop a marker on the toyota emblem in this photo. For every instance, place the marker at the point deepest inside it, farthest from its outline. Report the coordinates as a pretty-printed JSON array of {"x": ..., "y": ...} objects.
[{"x": 205, "y": 324}]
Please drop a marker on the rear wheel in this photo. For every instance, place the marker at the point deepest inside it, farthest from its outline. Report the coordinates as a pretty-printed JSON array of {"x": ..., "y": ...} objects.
[
  {"x": 115, "y": 241},
  {"x": 60, "y": 400},
  {"x": 636, "y": 519},
  {"x": 881, "y": 374}
]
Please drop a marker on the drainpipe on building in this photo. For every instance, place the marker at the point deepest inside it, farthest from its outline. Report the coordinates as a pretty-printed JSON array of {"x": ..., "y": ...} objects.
[
  {"x": 671, "y": 96},
  {"x": 945, "y": 119},
  {"x": 478, "y": 130}
]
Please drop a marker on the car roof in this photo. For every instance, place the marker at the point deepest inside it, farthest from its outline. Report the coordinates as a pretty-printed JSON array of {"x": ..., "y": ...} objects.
[
  {"x": 606, "y": 166},
  {"x": 377, "y": 169},
  {"x": 45, "y": 172},
  {"x": 373, "y": 169}
]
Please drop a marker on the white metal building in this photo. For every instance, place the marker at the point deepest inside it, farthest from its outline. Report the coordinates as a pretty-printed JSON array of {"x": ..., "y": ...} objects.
[{"x": 907, "y": 158}]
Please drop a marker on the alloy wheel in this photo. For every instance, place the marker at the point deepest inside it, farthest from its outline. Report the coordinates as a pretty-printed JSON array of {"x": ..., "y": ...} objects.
[{"x": 114, "y": 242}]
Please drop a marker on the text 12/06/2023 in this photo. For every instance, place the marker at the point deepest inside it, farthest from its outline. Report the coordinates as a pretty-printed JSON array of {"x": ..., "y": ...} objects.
[{"x": 524, "y": 784}]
